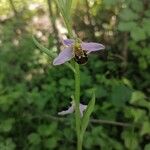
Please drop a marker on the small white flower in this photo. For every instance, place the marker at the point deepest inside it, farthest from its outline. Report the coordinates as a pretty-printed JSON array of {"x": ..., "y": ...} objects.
[{"x": 71, "y": 109}]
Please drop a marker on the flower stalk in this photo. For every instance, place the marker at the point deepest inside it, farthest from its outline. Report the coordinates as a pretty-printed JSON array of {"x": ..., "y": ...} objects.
[
  {"x": 75, "y": 51},
  {"x": 76, "y": 94},
  {"x": 77, "y": 103},
  {"x": 77, "y": 91},
  {"x": 75, "y": 48}
]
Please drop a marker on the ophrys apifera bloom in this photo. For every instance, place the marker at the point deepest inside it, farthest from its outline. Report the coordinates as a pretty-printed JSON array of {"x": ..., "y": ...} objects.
[{"x": 78, "y": 50}]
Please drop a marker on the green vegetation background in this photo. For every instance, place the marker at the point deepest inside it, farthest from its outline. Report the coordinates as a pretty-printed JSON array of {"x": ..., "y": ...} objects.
[{"x": 32, "y": 91}]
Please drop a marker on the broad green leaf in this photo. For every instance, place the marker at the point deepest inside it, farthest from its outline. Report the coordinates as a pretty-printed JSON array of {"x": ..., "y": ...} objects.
[
  {"x": 130, "y": 139},
  {"x": 135, "y": 114},
  {"x": 127, "y": 82},
  {"x": 137, "y": 5},
  {"x": 145, "y": 128},
  {"x": 126, "y": 26},
  {"x": 46, "y": 130},
  {"x": 8, "y": 144},
  {"x": 146, "y": 26},
  {"x": 110, "y": 3},
  {"x": 142, "y": 63},
  {"x": 147, "y": 13},
  {"x": 138, "y": 34},
  {"x": 128, "y": 15},
  {"x": 34, "y": 138},
  {"x": 51, "y": 142},
  {"x": 101, "y": 91},
  {"x": 6, "y": 125},
  {"x": 87, "y": 114},
  {"x": 138, "y": 98},
  {"x": 120, "y": 94},
  {"x": 147, "y": 147}
]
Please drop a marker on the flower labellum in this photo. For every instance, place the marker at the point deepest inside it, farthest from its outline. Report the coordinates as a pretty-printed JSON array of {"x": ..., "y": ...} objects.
[
  {"x": 72, "y": 109},
  {"x": 80, "y": 55},
  {"x": 78, "y": 50}
]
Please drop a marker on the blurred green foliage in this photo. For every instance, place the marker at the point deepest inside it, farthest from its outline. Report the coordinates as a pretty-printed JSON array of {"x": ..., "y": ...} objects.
[{"x": 32, "y": 91}]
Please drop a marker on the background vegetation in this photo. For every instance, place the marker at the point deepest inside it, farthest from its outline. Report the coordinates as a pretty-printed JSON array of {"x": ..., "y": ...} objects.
[{"x": 32, "y": 91}]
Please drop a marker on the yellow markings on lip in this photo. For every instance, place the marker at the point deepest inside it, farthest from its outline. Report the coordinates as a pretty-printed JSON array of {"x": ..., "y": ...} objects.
[
  {"x": 78, "y": 50},
  {"x": 80, "y": 55}
]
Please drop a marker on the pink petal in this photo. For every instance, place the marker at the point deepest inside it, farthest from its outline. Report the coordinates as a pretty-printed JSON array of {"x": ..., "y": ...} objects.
[
  {"x": 91, "y": 46},
  {"x": 72, "y": 109},
  {"x": 68, "y": 42},
  {"x": 68, "y": 111},
  {"x": 82, "y": 109},
  {"x": 65, "y": 55}
]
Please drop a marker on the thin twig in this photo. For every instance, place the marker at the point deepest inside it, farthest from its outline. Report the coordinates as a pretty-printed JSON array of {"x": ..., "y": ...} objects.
[{"x": 98, "y": 121}]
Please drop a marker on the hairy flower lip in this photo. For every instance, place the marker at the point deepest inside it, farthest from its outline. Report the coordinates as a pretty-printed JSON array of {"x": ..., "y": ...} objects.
[{"x": 67, "y": 53}]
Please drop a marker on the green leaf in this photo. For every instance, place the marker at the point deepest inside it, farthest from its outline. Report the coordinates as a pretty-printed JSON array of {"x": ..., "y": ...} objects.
[
  {"x": 34, "y": 138},
  {"x": 137, "y": 5},
  {"x": 87, "y": 113},
  {"x": 46, "y": 130},
  {"x": 145, "y": 128},
  {"x": 130, "y": 139},
  {"x": 51, "y": 143},
  {"x": 136, "y": 114},
  {"x": 147, "y": 147},
  {"x": 110, "y": 3},
  {"x": 147, "y": 13},
  {"x": 120, "y": 94},
  {"x": 139, "y": 98},
  {"x": 8, "y": 144},
  {"x": 6, "y": 125},
  {"x": 146, "y": 26},
  {"x": 142, "y": 63},
  {"x": 42, "y": 48},
  {"x": 138, "y": 34},
  {"x": 126, "y": 26},
  {"x": 128, "y": 15}
]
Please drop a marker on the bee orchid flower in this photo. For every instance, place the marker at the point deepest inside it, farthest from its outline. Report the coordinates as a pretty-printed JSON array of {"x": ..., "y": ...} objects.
[
  {"x": 78, "y": 50},
  {"x": 71, "y": 109}
]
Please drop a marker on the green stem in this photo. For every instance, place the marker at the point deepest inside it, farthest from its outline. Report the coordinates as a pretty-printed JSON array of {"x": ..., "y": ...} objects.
[
  {"x": 77, "y": 82},
  {"x": 77, "y": 88},
  {"x": 77, "y": 103},
  {"x": 70, "y": 33},
  {"x": 80, "y": 142},
  {"x": 77, "y": 96}
]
